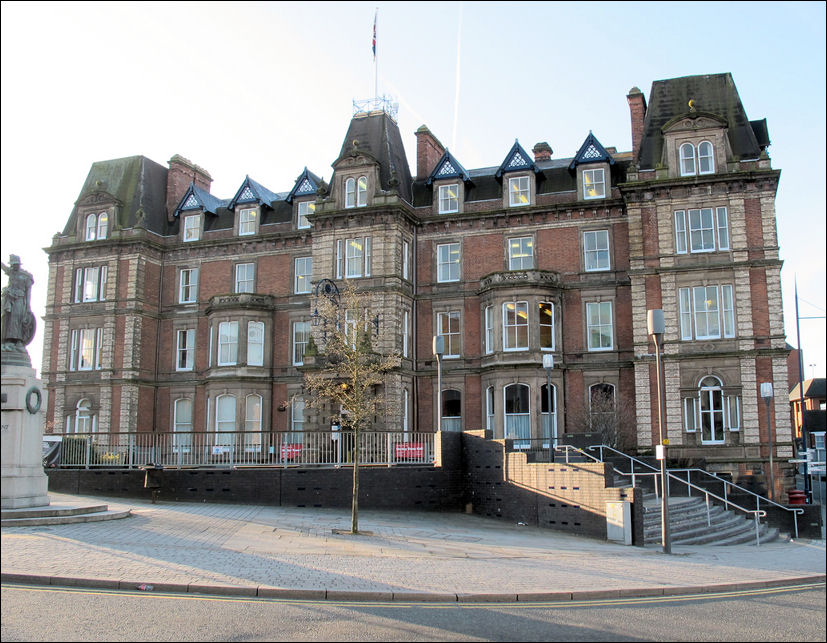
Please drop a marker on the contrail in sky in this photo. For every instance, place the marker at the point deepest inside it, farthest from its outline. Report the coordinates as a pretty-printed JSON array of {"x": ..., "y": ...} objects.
[{"x": 456, "y": 93}]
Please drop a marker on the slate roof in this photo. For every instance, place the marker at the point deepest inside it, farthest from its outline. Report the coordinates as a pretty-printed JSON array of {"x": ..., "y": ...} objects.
[
  {"x": 516, "y": 159},
  {"x": 815, "y": 388},
  {"x": 591, "y": 152},
  {"x": 300, "y": 188},
  {"x": 136, "y": 183},
  {"x": 377, "y": 135},
  {"x": 714, "y": 94},
  {"x": 257, "y": 194},
  {"x": 448, "y": 168}
]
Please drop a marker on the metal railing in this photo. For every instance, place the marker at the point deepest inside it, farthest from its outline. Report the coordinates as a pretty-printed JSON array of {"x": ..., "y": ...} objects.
[
  {"x": 229, "y": 449},
  {"x": 671, "y": 474}
]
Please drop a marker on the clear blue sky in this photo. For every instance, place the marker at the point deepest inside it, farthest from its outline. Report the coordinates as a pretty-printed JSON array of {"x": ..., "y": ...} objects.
[{"x": 266, "y": 89}]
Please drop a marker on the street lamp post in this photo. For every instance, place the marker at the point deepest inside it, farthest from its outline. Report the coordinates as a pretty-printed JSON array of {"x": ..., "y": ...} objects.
[
  {"x": 548, "y": 364},
  {"x": 656, "y": 328},
  {"x": 766, "y": 393},
  {"x": 439, "y": 350}
]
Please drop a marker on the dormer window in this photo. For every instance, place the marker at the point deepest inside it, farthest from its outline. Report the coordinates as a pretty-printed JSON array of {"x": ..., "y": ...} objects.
[
  {"x": 247, "y": 220},
  {"x": 594, "y": 184},
  {"x": 706, "y": 159},
  {"x": 519, "y": 192},
  {"x": 192, "y": 227},
  {"x": 305, "y": 208},
  {"x": 356, "y": 192},
  {"x": 448, "y": 198},
  {"x": 97, "y": 226}
]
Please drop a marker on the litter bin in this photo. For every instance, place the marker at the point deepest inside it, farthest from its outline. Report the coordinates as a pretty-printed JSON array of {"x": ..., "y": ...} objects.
[
  {"x": 152, "y": 479},
  {"x": 796, "y": 497}
]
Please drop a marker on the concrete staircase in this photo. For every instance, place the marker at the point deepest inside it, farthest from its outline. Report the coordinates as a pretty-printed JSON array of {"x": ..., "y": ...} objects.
[
  {"x": 59, "y": 515},
  {"x": 688, "y": 523}
]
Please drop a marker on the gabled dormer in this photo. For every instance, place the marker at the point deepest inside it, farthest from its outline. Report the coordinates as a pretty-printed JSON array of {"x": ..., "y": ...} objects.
[
  {"x": 518, "y": 173},
  {"x": 449, "y": 180},
  {"x": 303, "y": 195},
  {"x": 695, "y": 143},
  {"x": 192, "y": 208},
  {"x": 593, "y": 166},
  {"x": 247, "y": 204}
]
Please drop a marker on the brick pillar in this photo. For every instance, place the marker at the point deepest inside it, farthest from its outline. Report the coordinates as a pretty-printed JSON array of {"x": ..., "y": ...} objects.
[
  {"x": 428, "y": 152},
  {"x": 637, "y": 110},
  {"x": 181, "y": 173}
]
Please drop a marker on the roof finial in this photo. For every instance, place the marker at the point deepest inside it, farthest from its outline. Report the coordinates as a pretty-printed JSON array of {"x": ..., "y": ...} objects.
[{"x": 691, "y": 104}]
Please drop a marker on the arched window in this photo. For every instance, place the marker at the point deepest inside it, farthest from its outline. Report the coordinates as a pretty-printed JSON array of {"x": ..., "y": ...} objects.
[
  {"x": 451, "y": 410},
  {"x": 255, "y": 343},
  {"x": 350, "y": 193},
  {"x": 687, "y": 154},
  {"x": 362, "y": 192},
  {"x": 549, "y": 418},
  {"x": 85, "y": 420},
  {"x": 182, "y": 424},
  {"x": 297, "y": 421},
  {"x": 103, "y": 225},
  {"x": 517, "y": 414},
  {"x": 602, "y": 417},
  {"x": 711, "y": 410},
  {"x": 252, "y": 423},
  {"x": 406, "y": 402},
  {"x": 224, "y": 419},
  {"x": 91, "y": 227},
  {"x": 706, "y": 160}
]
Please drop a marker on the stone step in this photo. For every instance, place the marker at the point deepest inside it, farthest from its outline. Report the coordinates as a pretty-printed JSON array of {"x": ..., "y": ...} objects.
[
  {"x": 43, "y": 512},
  {"x": 54, "y": 516}
]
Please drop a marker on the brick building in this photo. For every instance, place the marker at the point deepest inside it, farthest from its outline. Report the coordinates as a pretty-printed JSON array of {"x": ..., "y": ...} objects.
[{"x": 173, "y": 309}]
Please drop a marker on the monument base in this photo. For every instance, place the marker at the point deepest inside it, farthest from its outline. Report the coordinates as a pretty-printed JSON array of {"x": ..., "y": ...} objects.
[{"x": 24, "y": 483}]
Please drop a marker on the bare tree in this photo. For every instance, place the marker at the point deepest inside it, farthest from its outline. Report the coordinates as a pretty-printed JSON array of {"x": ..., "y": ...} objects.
[
  {"x": 349, "y": 374},
  {"x": 613, "y": 420}
]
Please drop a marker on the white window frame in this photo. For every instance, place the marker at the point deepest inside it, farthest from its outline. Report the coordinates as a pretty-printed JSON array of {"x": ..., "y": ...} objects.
[
  {"x": 97, "y": 226},
  {"x": 543, "y": 325},
  {"x": 703, "y": 157},
  {"x": 304, "y": 208},
  {"x": 548, "y": 421},
  {"x": 252, "y": 422},
  {"x": 353, "y": 257},
  {"x": 302, "y": 275},
  {"x": 297, "y": 419},
  {"x": 224, "y": 422},
  {"x": 513, "y": 326},
  {"x": 686, "y": 155},
  {"x": 712, "y": 411},
  {"x": 522, "y": 254},
  {"x": 451, "y": 422},
  {"x": 90, "y": 283},
  {"x": 722, "y": 221},
  {"x": 448, "y": 202},
  {"x": 301, "y": 337},
  {"x": 191, "y": 228},
  {"x": 182, "y": 423},
  {"x": 245, "y": 277},
  {"x": 247, "y": 220},
  {"x": 227, "y": 343},
  {"x": 519, "y": 188},
  {"x": 722, "y": 313},
  {"x": 406, "y": 260},
  {"x": 449, "y": 326},
  {"x": 350, "y": 192},
  {"x": 255, "y": 343},
  {"x": 490, "y": 412},
  {"x": 599, "y": 324},
  {"x": 185, "y": 349},
  {"x": 188, "y": 286},
  {"x": 86, "y": 347},
  {"x": 489, "y": 329},
  {"x": 701, "y": 233},
  {"x": 705, "y": 314},
  {"x": 446, "y": 266},
  {"x": 522, "y": 419},
  {"x": 362, "y": 192},
  {"x": 681, "y": 246},
  {"x": 406, "y": 332},
  {"x": 594, "y": 184},
  {"x": 690, "y": 414},
  {"x": 599, "y": 239},
  {"x": 690, "y": 229}
]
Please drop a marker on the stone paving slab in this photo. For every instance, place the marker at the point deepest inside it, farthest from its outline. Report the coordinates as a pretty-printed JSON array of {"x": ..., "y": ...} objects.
[{"x": 293, "y": 552}]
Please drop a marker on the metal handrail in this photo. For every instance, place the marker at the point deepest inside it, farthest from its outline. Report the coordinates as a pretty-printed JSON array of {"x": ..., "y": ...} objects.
[
  {"x": 568, "y": 447},
  {"x": 757, "y": 513}
]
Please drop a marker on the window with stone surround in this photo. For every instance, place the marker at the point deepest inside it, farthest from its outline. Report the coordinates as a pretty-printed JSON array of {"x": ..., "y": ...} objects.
[
  {"x": 227, "y": 343},
  {"x": 303, "y": 273},
  {"x": 711, "y": 410},
  {"x": 353, "y": 258},
  {"x": 515, "y": 325},
  {"x": 707, "y": 312},
  {"x": 519, "y": 191},
  {"x": 192, "y": 227},
  {"x": 182, "y": 423},
  {"x": 185, "y": 349},
  {"x": 521, "y": 253},
  {"x": 705, "y": 154},
  {"x": 247, "y": 222},
  {"x": 596, "y": 250},
  {"x": 301, "y": 337},
  {"x": 448, "y": 198},
  {"x": 448, "y": 325},
  {"x": 447, "y": 262},
  {"x": 97, "y": 226},
  {"x": 305, "y": 208},
  {"x": 255, "y": 343},
  {"x": 245, "y": 277},
  {"x": 90, "y": 284},
  {"x": 701, "y": 230},
  {"x": 594, "y": 184},
  {"x": 546, "y": 322},
  {"x": 85, "y": 346},
  {"x": 599, "y": 325},
  {"x": 188, "y": 286}
]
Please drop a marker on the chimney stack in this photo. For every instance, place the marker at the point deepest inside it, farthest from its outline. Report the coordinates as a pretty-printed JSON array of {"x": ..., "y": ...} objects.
[
  {"x": 181, "y": 173},
  {"x": 428, "y": 152},
  {"x": 637, "y": 110},
  {"x": 542, "y": 152}
]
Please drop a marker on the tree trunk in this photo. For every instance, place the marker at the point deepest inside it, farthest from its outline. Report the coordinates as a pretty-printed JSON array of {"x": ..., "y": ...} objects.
[{"x": 354, "y": 514}]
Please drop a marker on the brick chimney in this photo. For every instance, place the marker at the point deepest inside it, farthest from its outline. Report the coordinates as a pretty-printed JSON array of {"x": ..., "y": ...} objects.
[
  {"x": 637, "y": 110},
  {"x": 428, "y": 152},
  {"x": 181, "y": 173},
  {"x": 542, "y": 151}
]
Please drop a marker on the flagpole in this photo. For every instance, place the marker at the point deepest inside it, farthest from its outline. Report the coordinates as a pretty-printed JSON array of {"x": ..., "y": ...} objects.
[
  {"x": 375, "y": 58},
  {"x": 804, "y": 443}
]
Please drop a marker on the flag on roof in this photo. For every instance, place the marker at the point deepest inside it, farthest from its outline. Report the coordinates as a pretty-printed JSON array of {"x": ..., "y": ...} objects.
[{"x": 374, "y": 33}]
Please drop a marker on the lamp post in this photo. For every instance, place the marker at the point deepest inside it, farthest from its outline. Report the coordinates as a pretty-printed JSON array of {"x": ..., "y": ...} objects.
[
  {"x": 656, "y": 327},
  {"x": 548, "y": 364},
  {"x": 439, "y": 350},
  {"x": 766, "y": 393}
]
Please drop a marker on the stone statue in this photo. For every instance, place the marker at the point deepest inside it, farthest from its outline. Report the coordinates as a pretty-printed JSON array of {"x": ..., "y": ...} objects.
[{"x": 18, "y": 321}]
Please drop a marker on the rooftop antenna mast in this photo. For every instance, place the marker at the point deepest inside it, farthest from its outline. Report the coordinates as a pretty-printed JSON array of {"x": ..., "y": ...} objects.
[{"x": 375, "y": 60}]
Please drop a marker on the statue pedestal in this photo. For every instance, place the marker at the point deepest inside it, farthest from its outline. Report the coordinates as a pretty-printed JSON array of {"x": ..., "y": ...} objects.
[{"x": 24, "y": 484}]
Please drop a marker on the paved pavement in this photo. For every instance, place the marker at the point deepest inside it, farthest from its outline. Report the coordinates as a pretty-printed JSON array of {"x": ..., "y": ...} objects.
[{"x": 295, "y": 553}]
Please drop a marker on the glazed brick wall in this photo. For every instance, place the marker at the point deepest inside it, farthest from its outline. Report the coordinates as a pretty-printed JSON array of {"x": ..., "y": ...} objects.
[{"x": 760, "y": 303}]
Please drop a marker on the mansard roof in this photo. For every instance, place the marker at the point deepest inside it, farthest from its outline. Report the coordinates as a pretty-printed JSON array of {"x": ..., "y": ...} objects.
[
  {"x": 712, "y": 94},
  {"x": 447, "y": 168},
  {"x": 196, "y": 198},
  {"x": 135, "y": 183},
  {"x": 591, "y": 152},
  {"x": 376, "y": 135},
  {"x": 253, "y": 192},
  {"x": 305, "y": 185},
  {"x": 516, "y": 159}
]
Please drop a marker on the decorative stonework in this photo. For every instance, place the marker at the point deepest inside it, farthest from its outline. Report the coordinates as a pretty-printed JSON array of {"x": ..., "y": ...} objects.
[{"x": 519, "y": 278}]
